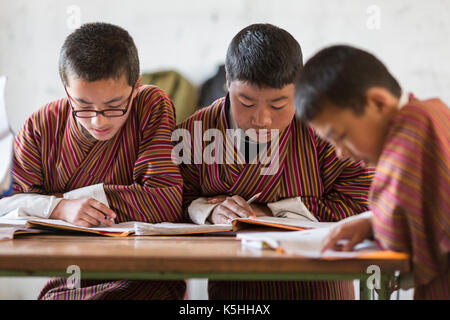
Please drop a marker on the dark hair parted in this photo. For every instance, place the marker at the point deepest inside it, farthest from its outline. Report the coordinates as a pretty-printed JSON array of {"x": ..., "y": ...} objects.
[
  {"x": 98, "y": 51},
  {"x": 265, "y": 55},
  {"x": 340, "y": 76}
]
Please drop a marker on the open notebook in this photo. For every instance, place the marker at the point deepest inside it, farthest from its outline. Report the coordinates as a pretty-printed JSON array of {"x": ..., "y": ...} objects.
[
  {"x": 165, "y": 228},
  {"x": 9, "y": 228},
  {"x": 19, "y": 226}
]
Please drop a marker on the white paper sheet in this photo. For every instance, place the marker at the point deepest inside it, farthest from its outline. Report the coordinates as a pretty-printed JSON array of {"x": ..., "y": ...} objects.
[
  {"x": 178, "y": 228},
  {"x": 307, "y": 243}
]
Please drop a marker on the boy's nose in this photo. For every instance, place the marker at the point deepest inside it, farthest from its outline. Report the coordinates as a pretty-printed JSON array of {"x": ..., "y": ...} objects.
[
  {"x": 98, "y": 120},
  {"x": 262, "y": 119}
]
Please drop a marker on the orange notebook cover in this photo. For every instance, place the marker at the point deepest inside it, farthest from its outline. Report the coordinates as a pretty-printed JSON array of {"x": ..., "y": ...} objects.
[
  {"x": 119, "y": 231},
  {"x": 279, "y": 223}
]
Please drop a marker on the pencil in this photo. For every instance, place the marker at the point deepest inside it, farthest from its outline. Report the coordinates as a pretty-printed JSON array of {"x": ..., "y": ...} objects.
[{"x": 249, "y": 201}]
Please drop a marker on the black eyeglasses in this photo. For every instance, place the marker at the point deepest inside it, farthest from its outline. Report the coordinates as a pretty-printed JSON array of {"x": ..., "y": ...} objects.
[{"x": 109, "y": 113}]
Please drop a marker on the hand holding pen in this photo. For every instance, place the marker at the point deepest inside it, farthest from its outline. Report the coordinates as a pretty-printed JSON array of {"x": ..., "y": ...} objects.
[{"x": 231, "y": 207}]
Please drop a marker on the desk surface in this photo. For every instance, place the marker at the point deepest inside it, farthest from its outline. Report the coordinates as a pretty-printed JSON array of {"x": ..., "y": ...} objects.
[{"x": 188, "y": 254}]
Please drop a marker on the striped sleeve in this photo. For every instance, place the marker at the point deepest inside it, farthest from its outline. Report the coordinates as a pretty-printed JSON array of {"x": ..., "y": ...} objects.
[
  {"x": 189, "y": 171},
  {"x": 346, "y": 183},
  {"x": 410, "y": 192},
  {"x": 27, "y": 168},
  {"x": 156, "y": 192}
]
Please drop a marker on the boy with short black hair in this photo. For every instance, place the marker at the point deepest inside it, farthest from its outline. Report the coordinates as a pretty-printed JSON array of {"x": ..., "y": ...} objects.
[
  {"x": 263, "y": 63},
  {"x": 102, "y": 154},
  {"x": 350, "y": 98}
]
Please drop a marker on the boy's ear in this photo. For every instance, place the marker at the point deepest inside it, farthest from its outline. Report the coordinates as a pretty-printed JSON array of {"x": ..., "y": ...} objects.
[
  {"x": 138, "y": 82},
  {"x": 381, "y": 98},
  {"x": 227, "y": 81}
]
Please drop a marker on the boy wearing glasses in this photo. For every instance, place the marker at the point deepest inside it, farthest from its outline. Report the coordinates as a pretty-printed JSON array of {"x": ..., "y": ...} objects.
[{"x": 101, "y": 155}]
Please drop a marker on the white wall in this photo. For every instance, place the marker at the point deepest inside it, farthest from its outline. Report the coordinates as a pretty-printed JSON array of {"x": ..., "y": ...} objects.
[{"x": 192, "y": 36}]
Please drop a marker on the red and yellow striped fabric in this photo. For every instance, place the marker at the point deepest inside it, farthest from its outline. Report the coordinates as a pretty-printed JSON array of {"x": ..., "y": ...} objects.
[
  {"x": 410, "y": 193},
  {"x": 140, "y": 180},
  {"x": 308, "y": 168}
]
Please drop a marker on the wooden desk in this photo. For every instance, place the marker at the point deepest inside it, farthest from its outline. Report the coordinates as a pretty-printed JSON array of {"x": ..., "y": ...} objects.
[{"x": 212, "y": 257}]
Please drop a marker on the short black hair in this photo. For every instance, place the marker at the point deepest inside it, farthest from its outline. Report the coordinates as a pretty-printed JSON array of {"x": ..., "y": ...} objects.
[
  {"x": 265, "y": 55},
  {"x": 98, "y": 51},
  {"x": 340, "y": 76}
]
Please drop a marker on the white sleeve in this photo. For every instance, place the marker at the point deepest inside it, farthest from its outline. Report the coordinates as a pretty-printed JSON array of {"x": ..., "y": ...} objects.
[
  {"x": 28, "y": 204},
  {"x": 95, "y": 191},
  {"x": 291, "y": 208},
  {"x": 42, "y": 206},
  {"x": 199, "y": 210}
]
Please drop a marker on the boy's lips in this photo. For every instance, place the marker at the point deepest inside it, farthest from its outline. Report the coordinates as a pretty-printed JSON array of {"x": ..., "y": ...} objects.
[{"x": 101, "y": 131}]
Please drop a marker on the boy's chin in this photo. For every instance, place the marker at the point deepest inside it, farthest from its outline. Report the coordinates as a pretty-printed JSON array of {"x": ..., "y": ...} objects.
[
  {"x": 263, "y": 137},
  {"x": 100, "y": 137}
]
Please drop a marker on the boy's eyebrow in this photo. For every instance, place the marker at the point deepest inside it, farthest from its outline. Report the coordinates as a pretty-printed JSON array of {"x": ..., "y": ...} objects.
[
  {"x": 106, "y": 102},
  {"x": 245, "y": 96},
  {"x": 113, "y": 100},
  {"x": 280, "y": 98}
]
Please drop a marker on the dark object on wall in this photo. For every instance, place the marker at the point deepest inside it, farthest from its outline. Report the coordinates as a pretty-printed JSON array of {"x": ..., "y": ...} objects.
[
  {"x": 213, "y": 88},
  {"x": 183, "y": 94}
]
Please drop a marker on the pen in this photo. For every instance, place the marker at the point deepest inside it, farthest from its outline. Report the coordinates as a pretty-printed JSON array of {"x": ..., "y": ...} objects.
[{"x": 249, "y": 201}]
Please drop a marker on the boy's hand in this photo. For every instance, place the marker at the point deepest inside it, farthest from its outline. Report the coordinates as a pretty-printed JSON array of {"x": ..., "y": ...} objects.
[
  {"x": 261, "y": 209},
  {"x": 230, "y": 208},
  {"x": 217, "y": 199},
  {"x": 84, "y": 212},
  {"x": 355, "y": 231}
]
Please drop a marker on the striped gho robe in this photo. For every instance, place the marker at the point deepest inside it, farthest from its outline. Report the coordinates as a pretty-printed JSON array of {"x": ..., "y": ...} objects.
[
  {"x": 140, "y": 180},
  {"x": 410, "y": 195},
  {"x": 308, "y": 168}
]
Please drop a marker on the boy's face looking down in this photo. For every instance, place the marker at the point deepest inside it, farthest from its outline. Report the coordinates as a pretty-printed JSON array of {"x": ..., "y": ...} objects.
[
  {"x": 255, "y": 107},
  {"x": 358, "y": 136},
  {"x": 113, "y": 94},
  {"x": 349, "y": 97}
]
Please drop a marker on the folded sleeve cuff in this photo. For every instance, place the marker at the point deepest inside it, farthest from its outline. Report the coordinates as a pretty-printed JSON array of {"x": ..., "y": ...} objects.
[
  {"x": 199, "y": 210},
  {"x": 291, "y": 208},
  {"x": 95, "y": 191},
  {"x": 42, "y": 206}
]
